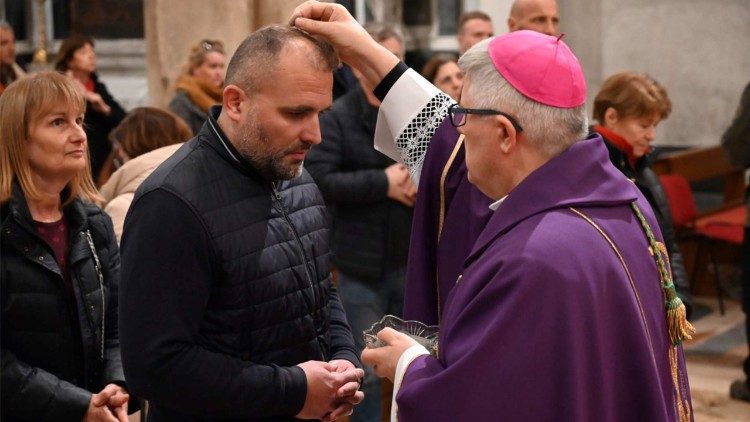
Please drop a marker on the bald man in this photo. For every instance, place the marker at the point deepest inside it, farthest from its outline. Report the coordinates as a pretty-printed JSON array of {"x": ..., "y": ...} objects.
[{"x": 536, "y": 15}]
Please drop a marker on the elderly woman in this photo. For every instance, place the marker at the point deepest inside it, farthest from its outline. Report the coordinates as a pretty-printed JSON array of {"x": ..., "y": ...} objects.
[
  {"x": 77, "y": 59},
  {"x": 628, "y": 108},
  {"x": 60, "y": 263},
  {"x": 200, "y": 85},
  {"x": 145, "y": 138},
  {"x": 442, "y": 70}
]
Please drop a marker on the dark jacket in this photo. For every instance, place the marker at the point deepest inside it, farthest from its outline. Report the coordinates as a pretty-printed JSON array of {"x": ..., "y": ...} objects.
[
  {"x": 182, "y": 106},
  {"x": 226, "y": 288},
  {"x": 736, "y": 140},
  {"x": 648, "y": 183},
  {"x": 370, "y": 231},
  {"x": 98, "y": 126},
  {"x": 52, "y": 348}
]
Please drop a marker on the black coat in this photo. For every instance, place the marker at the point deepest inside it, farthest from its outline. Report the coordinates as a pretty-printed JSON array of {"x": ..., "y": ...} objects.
[
  {"x": 370, "y": 231},
  {"x": 52, "y": 348},
  {"x": 226, "y": 288},
  {"x": 98, "y": 126},
  {"x": 648, "y": 183}
]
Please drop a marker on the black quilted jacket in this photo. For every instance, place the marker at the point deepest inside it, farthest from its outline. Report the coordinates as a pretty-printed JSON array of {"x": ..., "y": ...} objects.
[
  {"x": 52, "y": 345},
  {"x": 226, "y": 287}
]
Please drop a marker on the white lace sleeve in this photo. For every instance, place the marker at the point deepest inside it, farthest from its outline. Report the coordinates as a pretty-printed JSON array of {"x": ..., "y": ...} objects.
[{"x": 408, "y": 118}]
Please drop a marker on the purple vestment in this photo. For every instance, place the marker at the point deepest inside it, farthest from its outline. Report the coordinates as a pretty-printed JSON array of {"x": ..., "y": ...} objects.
[
  {"x": 544, "y": 324},
  {"x": 436, "y": 259}
]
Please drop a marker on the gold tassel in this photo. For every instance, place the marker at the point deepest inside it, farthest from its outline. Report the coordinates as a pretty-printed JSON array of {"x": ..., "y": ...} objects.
[{"x": 679, "y": 327}]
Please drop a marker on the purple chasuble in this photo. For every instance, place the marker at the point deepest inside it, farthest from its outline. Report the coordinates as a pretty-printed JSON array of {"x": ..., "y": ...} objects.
[
  {"x": 544, "y": 324},
  {"x": 440, "y": 245}
]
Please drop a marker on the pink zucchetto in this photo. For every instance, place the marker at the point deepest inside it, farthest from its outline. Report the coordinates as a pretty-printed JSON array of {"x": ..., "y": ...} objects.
[{"x": 541, "y": 67}]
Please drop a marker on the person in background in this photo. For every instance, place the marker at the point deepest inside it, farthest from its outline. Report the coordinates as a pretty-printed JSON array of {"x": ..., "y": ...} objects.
[
  {"x": 536, "y": 15},
  {"x": 442, "y": 70},
  {"x": 144, "y": 139},
  {"x": 473, "y": 27},
  {"x": 10, "y": 71},
  {"x": 59, "y": 263},
  {"x": 228, "y": 308},
  {"x": 736, "y": 141},
  {"x": 200, "y": 84},
  {"x": 628, "y": 107},
  {"x": 76, "y": 58},
  {"x": 371, "y": 197}
]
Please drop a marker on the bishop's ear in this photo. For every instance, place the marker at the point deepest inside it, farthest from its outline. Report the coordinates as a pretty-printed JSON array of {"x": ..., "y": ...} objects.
[{"x": 507, "y": 133}]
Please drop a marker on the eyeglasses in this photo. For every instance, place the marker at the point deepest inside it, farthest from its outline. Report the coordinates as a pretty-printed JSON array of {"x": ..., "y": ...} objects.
[{"x": 458, "y": 115}]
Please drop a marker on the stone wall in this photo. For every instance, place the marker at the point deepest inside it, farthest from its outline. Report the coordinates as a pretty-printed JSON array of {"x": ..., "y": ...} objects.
[{"x": 698, "y": 49}]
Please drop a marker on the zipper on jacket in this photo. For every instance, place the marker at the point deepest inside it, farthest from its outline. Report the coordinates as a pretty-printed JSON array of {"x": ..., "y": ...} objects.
[{"x": 309, "y": 275}]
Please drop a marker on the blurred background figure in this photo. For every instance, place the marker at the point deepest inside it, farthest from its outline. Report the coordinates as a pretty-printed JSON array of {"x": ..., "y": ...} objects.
[
  {"x": 628, "y": 108},
  {"x": 144, "y": 139},
  {"x": 536, "y": 15},
  {"x": 200, "y": 84},
  {"x": 473, "y": 27},
  {"x": 76, "y": 58},
  {"x": 371, "y": 198},
  {"x": 60, "y": 263},
  {"x": 442, "y": 70},
  {"x": 736, "y": 141},
  {"x": 9, "y": 69}
]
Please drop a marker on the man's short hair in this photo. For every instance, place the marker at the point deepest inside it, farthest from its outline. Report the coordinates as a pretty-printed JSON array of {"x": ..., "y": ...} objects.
[
  {"x": 550, "y": 129},
  {"x": 467, "y": 16},
  {"x": 256, "y": 58}
]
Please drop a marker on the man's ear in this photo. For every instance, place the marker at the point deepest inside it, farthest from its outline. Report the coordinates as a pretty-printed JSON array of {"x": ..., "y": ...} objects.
[
  {"x": 232, "y": 101},
  {"x": 610, "y": 117},
  {"x": 511, "y": 24},
  {"x": 506, "y": 133}
]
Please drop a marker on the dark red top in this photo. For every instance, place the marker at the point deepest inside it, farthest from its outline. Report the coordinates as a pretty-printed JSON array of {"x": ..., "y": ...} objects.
[{"x": 56, "y": 235}]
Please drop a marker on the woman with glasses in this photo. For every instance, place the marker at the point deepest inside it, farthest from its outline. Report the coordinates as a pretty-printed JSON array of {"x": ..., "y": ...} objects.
[
  {"x": 76, "y": 58},
  {"x": 59, "y": 263},
  {"x": 628, "y": 108},
  {"x": 143, "y": 140},
  {"x": 200, "y": 84}
]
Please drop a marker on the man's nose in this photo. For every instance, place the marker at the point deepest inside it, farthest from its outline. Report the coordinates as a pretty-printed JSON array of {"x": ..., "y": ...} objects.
[
  {"x": 549, "y": 28},
  {"x": 311, "y": 133}
]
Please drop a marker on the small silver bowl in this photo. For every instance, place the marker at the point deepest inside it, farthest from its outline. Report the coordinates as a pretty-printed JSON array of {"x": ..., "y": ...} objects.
[{"x": 426, "y": 335}]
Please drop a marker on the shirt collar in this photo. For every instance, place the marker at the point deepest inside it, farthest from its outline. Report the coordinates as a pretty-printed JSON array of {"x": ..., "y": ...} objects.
[{"x": 495, "y": 205}]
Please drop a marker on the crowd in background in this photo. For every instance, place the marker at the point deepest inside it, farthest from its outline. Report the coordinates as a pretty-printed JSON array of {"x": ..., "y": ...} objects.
[{"x": 64, "y": 207}]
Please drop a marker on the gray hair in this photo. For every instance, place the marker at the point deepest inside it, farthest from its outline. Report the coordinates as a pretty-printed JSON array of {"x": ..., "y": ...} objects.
[
  {"x": 5, "y": 25},
  {"x": 550, "y": 129}
]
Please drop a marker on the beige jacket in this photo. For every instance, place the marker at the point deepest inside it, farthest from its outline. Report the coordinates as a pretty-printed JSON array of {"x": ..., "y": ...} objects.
[{"x": 120, "y": 189}]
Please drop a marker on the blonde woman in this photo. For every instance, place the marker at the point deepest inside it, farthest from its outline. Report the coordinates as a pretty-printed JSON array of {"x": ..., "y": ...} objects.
[
  {"x": 60, "y": 263},
  {"x": 200, "y": 85}
]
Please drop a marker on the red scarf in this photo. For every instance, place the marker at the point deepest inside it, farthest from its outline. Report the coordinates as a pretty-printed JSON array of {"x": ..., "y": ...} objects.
[
  {"x": 89, "y": 85},
  {"x": 619, "y": 142}
]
